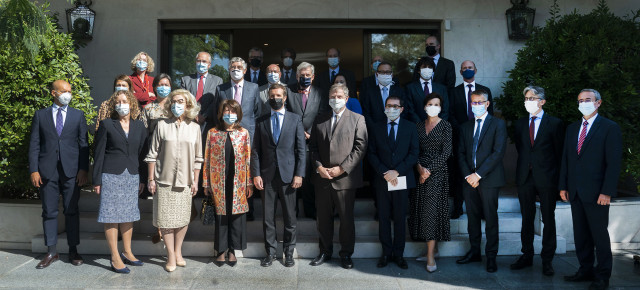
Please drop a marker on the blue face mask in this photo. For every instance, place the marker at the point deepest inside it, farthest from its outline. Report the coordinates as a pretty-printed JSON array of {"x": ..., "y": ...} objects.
[
  {"x": 468, "y": 74},
  {"x": 273, "y": 78},
  {"x": 375, "y": 65},
  {"x": 163, "y": 91},
  {"x": 202, "y": 67},
  {"x": 141, "y": 65},
  {"x": 304, "y": 82},
  {"x": 230, "y": 118},
  {"x": 121, "y": 88},
  {"x": 478, "y": 110}
]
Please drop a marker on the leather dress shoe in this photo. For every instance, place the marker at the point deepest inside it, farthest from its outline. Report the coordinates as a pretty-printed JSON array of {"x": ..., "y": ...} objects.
[
  {"x": 47, "y": 260},
  {"x": 346, "y": 262},
  {"x": 288, "y": 261},
  {"x": 579, "y": 277},
  {"x": 469, "y": 258},
  {"x": 492, "y": 266},
  {"x": 383, "y": 261},
  {"x": 401, "y": 262},
  {"x": 320, "y": 259},
  {"x": 599, "y": 285},
  {"x": 522, "y": 263},
  {"x": 75, "y": 259},
  {"x": 267, "y": 261},
  {"x": 547, "y": 269}
]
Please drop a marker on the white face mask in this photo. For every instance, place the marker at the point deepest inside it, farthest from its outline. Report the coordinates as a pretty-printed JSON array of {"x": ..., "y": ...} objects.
[
  {"x": 392, "y": 113},
  {"x": 426, "y": 73},
  {"x": 177, "y": 109},
  {"x": 287, "y": 61},
  {"x": 273, "y": 78},
  {"x": 531, "y": 106},
  {"x": 236, "y": 75},
  {"x": 432, "y": 111},
  {"x": 384, "y": 79},
  {"x": 587, "y": 108},
  {"x": 122, "y": 109},
  {"x": 65, "y": 98},
  {"x": 337, "y": 104},
  {"x": 478, "y": 110}
]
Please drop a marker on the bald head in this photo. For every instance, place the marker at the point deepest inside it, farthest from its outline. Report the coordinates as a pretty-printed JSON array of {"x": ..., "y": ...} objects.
[
  {"x": 274, "y": 68},
  {"x": 203, "y": 55},
  {"x": 61, "y": 86},
  {"x": 468, "y": 70}
]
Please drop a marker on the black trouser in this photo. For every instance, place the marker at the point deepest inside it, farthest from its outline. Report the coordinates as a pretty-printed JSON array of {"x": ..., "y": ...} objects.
[
  {"x": 391, "y": 203},
  {"x": 590, "y": 222},
  {"x": 482, "y": 202},
  {"x": 50, "y": 190},
  {"x": 307, "y": 192},
  {"x": 230, "y": 228},
  {"x": 343, "y": 201},
  {"x": 274, "y": 190},
  {"x": 527, "y": 196}
]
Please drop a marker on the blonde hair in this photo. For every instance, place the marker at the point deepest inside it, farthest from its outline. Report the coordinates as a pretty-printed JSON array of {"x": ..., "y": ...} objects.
[
  {"x": 150, "y": 64},
  {"x": 134, "y": 108},
  {"x": 192, "y": 108}
]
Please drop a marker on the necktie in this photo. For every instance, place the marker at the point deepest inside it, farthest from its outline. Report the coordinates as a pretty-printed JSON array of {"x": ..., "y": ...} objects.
[
  {"x": 385, "y": 95},
  {"x": 469, "y": 111},
  {"x": 59, "y": 122},
  {"x": 305, "y": 98},
  {"x": 275, "y": 123},
  {"x": 392, "y": 133},
  {"x": 426, "y": 89},
  {"x": 200, "y": 88},
  {"x": 583, "y": 134},
  {"x": 335, "y": 124},
  {"x": 255, "y": 77},
  {"x": 237, "y": 95},
  {"x": 532, "y": 128},
  {"x": 286, "y": 77},
  {"x": 333, "y": 76},
  {"x": 476, "y": 137}
]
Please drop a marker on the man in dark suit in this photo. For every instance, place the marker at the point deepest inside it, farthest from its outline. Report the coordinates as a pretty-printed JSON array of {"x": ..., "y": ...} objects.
[
  {"x": 247, "y": 95},
  {"x": 374, "y": 97},
  {"x": 326, "y": 78},
  {"x": 308, "y": 101},
  {"x": 418, "y": 90},
  {"x": 255, "y": 74},
  {"x": 203, "y": 86},
  {"x": 288, "y": 58},
  {"x": 480, "y": 152},
  {"x": 59, "y": 162},
  {"x": 460, "y": 113},
  {"x": 444, "y": 68},
  {"x": 591, "y": 161},
  {"x": 371, "y": 81},
  {"x": 278, "y": 166},
  {"x": 538, "y": 140},
  {"x": 393, "y": 150},
  {"x": 338, "y": 145}
]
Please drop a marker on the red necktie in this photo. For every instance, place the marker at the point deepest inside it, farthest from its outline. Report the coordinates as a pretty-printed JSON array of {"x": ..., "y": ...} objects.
[
  {"x": 200, "y": 88},
  {"x": 583, "y": 134},
  {"x": 532, "y": 128}
]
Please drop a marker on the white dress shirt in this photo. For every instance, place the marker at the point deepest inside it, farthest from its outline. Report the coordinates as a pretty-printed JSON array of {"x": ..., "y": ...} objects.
[
  {"x": 204, "y": 79},
  {"x": 428, "y": 82},
  {"x": 466, "y": 90},
  {"x": 589, "y": 124},
  {"x": 54, "y": 111}
]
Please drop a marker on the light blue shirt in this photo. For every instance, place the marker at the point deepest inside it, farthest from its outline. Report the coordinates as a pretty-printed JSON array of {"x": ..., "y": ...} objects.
[
  {"x": 536, "y": 123},
  {"x": 280, "y": 113},
  {"x": 54, "y": 111},
  {"x": 395, "y": 129}
]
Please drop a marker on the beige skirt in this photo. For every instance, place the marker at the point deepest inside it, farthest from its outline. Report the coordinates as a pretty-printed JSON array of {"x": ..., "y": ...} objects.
[{"x": 171, "y": 207}]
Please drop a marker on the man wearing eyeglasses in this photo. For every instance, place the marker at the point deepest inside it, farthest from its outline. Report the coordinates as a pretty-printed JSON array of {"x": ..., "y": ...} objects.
[
  {"x": 589, "y": 172},
  {"x": 482, "y": 145},
  {"x": 374, "y": 97},
  {"x": 538, "y": 140}
]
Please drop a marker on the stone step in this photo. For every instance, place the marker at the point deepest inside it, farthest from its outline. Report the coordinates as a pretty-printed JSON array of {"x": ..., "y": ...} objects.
[{"x": 307, "y": 246}]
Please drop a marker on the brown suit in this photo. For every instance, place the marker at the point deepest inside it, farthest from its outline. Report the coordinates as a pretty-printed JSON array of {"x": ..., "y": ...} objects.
[{"x": 346, "y": 148}]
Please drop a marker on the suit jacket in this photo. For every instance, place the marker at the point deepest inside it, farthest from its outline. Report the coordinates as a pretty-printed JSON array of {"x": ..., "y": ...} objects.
[
  {"x": 323, "y": 81},
  {"x": 458, "y": 104},
  {"x": 346, "y": 148},
  {"x": 596, "y": 170},
  {"x": 116, "y": 152},
  {"x": 46, "y": 148},
  {"x": 415, "y": 98},
  {"x": 491, "y": 147},
  {"x": 262, "y": 77},
  {"x": 445, "y": 73},
  {"x": 545, "y": 154},
  {"x": 401, "y": 156},
  {"x": 292, "y": 76},
  {"x": 190, "y": 83},
  {"x": 370, "y": 81},
  {"x": 288, "y": 156},
  {"x": 317, "y": 104},
  {"x": 372, "y": 105},
  {"x": 142, "y": 90},
  {"x": 250, "y": 103}
]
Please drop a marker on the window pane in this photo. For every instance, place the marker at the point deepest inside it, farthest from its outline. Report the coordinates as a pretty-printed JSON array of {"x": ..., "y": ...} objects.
[
  {"x": 402, "y": 50},
  {"x": 183, "y": 49}
]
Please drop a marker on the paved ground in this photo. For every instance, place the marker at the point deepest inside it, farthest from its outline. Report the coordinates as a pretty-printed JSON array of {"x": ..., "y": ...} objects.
[{"x": 17, "y": 270}]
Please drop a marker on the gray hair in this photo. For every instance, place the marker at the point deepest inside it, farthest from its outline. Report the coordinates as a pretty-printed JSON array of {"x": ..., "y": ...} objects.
[
  {"x": 595, "y": 93},
  {"x": 305, "y": 65},
  {"x": 482, "y": 93},
  {"x": 342, "y": 87},
  {"x": 238, "y": 59},
  {"x": 210, "y": 58},
  {"x": 538, "y": 91}
]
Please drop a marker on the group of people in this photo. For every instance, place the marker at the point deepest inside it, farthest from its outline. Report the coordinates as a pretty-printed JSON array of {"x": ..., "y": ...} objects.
[{"x": 287, "y": 131}]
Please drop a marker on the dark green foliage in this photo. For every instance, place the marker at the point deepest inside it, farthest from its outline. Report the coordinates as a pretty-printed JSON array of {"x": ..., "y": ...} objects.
[
  {"x": 22, "y": 26},
  {"x": 571, "y": 52},
  {"x": 24, "y": 88}
]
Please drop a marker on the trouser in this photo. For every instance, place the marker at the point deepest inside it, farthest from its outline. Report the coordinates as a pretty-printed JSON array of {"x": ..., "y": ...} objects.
[
  {"x": 343, "y": 201},
  {"x": 50, "y": 191},
  {"x": 527, "y": 196},
  {"x": 230, "y": 228},
  {"x": 274, "y": 190},
  {"x": 482, "y": 201},
  {"x": 590, "y": 222},
  {"x": 307, "y": 192},
  {"x": 391, "y": 203}
]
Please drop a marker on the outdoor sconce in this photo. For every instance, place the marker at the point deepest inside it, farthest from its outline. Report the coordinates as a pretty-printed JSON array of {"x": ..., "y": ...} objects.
[
  {"x": 520, "y": 20},
  {"x": 80, "y": 20}
]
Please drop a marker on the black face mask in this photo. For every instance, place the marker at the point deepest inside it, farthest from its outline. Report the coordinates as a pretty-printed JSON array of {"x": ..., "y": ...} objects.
[
  {"x": 256, "y": 62},
  {"x": 304, "y": 82},
  {"x": 276, "y": 103},
  {"x": 431, "y": 50}
]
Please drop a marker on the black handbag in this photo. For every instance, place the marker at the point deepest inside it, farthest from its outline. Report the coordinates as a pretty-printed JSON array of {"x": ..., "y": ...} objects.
[{"x": 208, "y": 211}]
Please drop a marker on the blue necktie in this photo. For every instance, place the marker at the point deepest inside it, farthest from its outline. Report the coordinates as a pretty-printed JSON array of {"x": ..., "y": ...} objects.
[
  {"x": 333, "y": 76},
  {"x": 385, "y": 95},
  {"x": 59, "y": 122},
  {"x": 255, "y": 77},
  {"x": 392, "y": 133},
  {"x": 476, "y": 137},
  {"x": 275, "y": 123}
]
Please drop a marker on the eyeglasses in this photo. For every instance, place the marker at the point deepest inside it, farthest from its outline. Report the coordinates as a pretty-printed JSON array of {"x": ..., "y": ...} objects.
[
  {"x": 531, "y": 99},
  {"x": 393, "y": 106},
  {"x": 478, "y": 103},
  {"x": 386, "y": 72}
]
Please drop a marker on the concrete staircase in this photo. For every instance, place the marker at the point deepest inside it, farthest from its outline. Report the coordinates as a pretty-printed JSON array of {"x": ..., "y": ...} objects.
[{"x": 199, "y": 239}]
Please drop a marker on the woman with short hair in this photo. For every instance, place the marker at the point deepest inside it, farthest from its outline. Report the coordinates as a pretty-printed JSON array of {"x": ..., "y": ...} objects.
[{"x": 141, "y": 65}]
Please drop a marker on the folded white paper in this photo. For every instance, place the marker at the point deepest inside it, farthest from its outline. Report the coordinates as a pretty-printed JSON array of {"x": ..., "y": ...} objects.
[{"x": 402, "y": 184}]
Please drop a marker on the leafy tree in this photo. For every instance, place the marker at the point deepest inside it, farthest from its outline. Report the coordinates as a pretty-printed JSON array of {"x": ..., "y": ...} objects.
[{"x": 571, "y": 52}]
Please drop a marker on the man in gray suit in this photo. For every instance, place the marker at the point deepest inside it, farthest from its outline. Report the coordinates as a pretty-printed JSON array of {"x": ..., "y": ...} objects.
[
  {"x": 338, "y": 145},
  {"x": 277, "y": 167},
  {"x": 273, "y": 77},
  {"x": 203, "y": 86}
]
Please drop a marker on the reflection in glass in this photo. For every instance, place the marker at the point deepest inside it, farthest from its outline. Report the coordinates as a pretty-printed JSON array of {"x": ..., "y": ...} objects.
[{"x": 183, "y": 49}]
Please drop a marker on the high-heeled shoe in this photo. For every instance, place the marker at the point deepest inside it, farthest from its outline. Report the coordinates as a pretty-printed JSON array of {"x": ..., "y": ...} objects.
[
  {"x": 124, "y": 270},
  {"x": 433, "y": 268},
  {"x": 169, "y": 268},
  {"x": 229, "y": 262},
  {"x": 220, "y": 263},
  {"x": 129, "y": 262},
  {"x": 182, "y": 263}
]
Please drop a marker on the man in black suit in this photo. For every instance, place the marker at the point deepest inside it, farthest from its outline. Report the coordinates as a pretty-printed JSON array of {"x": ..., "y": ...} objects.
[
  {"x": 326, "y": 78},
  {"x": 538, "y": 140},
  {"x": 288, "y": 58},
  {"x": 444, "y": 69},
  {"x": 374, "y": 97},
  {"x": 255, "y": 74},
  {"x": 371, "y": 81},
  {"x": 418, "y": 90},
  {"x": 460, "y": 113},
  {"x": 58, "y": 163},
  {"x": 278, "y": 166},
  {"x": 591, "y": 161},
  {"x": 480, "y": 152},
  {"x": 393, "y": 150}
]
